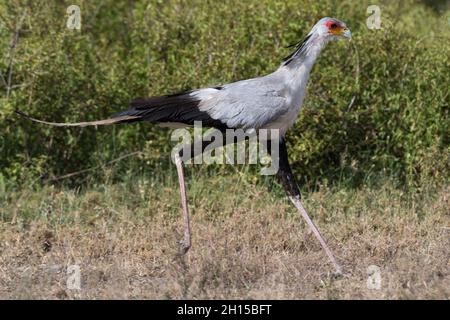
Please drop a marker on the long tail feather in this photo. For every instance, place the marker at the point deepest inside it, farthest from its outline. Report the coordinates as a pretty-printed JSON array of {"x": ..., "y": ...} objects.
[{"x": 120, "y": 119}]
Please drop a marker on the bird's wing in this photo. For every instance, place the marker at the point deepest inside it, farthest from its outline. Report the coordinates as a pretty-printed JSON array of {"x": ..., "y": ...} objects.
[
  {"x": 173, "y": 110},
  {"x": 246, "y": 104}
]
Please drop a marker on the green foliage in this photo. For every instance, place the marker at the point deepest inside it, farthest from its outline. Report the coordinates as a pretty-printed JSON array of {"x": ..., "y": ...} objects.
[{"x": 378, "y": 104}]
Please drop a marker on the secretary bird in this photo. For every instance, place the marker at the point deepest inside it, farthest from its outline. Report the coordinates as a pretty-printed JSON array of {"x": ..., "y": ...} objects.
[{"x": 268, "y": 102}]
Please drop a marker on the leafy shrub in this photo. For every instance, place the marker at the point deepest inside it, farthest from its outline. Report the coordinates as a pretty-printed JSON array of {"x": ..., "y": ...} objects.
[{"x": 378, "y": 104}]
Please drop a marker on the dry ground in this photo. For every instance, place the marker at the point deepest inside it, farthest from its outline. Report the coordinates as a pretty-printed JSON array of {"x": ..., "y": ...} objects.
[{"x": 247, "y": 243}]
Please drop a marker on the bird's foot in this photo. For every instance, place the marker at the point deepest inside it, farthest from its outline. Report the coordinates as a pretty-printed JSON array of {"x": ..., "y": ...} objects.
[
  {"x": 184, "y": 247},
  {"x": 338, "y": 274}
]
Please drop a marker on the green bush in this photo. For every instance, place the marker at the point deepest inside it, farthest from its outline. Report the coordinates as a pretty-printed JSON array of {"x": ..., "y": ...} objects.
[{"x": 376, "y": 105}]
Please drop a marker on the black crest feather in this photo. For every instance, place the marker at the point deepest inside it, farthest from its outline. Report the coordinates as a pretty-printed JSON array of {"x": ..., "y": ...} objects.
[{"x": 299, "y": 49}]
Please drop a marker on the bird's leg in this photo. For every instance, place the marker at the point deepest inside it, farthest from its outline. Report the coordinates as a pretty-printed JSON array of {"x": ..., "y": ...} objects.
[
  {"x": 287, "y": 179},
  {"x": 186, "y": 243},
  {"x": 298, "y": 204}
]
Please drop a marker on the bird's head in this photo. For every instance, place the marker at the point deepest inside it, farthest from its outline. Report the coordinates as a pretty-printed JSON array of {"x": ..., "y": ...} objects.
[
  {"x": 325, "y": 30},
  {"x": 331, "y": 29}
]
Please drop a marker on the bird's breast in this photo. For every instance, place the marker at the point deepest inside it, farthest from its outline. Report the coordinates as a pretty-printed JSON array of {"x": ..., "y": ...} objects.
[
  {"x": 284, "y": 122},
  {"x": 294, "y": 93}
]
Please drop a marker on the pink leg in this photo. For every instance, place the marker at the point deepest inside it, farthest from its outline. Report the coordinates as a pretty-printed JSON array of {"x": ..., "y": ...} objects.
[
  {"x": 298, "y": 204},
  {"x": 186, "y": 242}
]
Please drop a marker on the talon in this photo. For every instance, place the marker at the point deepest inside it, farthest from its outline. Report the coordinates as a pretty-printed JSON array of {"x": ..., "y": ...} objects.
[
  {"x": 184, "y": 247},
  {"x": 337, "y": 274}
]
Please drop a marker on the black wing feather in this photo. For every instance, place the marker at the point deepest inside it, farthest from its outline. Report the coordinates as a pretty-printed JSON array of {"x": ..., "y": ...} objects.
[{"x": 179, "y": 108}]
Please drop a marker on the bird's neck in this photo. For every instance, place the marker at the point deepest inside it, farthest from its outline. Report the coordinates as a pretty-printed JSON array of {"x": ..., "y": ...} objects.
[
  {"x": 297, "y": 67},
  {"x": 307, "y": 59}
]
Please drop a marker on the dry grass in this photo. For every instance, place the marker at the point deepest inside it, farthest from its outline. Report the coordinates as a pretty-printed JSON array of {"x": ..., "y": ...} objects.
[{"x": 247, "y": 244}]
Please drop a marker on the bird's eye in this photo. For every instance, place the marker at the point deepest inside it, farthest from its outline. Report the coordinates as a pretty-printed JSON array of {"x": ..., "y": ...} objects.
[{"x": 333, "y": 26}]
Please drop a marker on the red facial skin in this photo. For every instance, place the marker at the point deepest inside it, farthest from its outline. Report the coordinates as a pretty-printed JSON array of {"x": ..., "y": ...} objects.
[{"x": 336, "y": 30}]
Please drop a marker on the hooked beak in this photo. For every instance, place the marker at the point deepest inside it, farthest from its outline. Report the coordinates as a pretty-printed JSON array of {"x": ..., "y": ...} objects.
[{"x": 346, "y": 33}]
